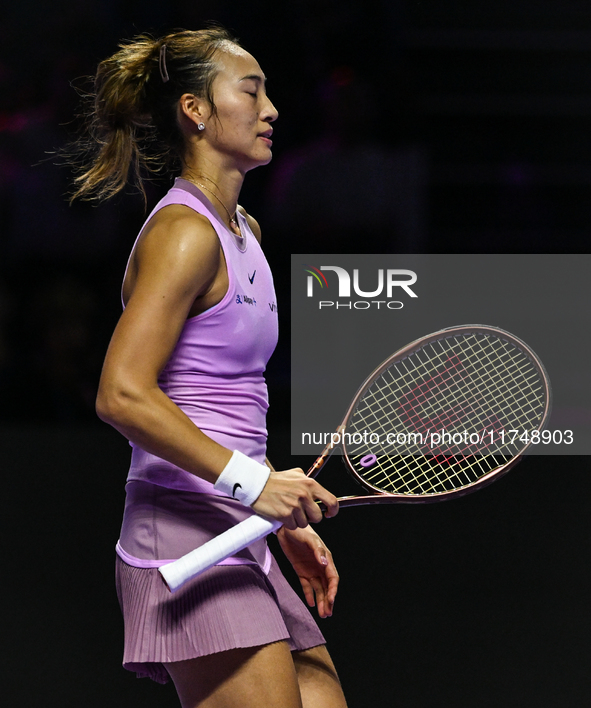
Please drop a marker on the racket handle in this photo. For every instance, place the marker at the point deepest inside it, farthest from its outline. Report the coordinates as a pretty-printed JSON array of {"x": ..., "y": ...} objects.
[{"x": 180, "y": 571}]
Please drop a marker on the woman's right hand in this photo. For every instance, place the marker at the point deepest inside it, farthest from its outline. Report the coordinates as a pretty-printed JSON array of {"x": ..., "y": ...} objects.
[{"x": 290, "y": 497}]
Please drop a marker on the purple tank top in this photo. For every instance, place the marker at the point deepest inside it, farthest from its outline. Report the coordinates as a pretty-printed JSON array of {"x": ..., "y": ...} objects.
[{"x": 215, "y": 375}]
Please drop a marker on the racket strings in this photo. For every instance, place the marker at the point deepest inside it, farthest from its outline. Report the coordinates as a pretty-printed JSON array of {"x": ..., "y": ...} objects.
[
  {"x": 501, "y": 387},
  {"x": 487, "y": 394},
  {"x": 520, "y": 373},
  {"x": 472, "y": 386},
  {"x": 381, "y": 403},
  {"x": 475, "y": 406},
  {"x": 453, "y": 468},
  {"x": 441, "y": 399}
]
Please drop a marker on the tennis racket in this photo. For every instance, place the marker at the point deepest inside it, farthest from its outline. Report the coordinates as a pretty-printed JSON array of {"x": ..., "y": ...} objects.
[{"x": 442, "y": 417}]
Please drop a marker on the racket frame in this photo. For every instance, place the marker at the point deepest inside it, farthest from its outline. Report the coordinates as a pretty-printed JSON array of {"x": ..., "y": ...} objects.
[{"x": 397, "y": 498}]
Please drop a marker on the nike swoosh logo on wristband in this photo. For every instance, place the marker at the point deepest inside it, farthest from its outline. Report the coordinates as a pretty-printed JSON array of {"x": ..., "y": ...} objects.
[{"x": 235, "y": 488}]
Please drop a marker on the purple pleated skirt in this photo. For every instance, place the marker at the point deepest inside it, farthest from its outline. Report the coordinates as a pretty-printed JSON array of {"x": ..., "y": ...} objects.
[{"x": 228, "y": 607}]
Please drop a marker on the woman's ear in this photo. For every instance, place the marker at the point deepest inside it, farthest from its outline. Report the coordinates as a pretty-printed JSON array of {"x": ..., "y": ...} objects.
[{"x": 192, "y": 109}]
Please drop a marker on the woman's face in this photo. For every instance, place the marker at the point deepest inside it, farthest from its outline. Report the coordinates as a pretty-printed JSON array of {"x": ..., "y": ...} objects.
[{"x": 241, "y": 131}]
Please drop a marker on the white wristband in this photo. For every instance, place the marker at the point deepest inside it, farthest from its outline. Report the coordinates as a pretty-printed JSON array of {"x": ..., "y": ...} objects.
[{"x": 242, "y": 478}]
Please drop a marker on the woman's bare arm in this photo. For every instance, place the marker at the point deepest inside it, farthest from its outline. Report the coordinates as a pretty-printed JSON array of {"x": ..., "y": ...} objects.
[{"x": 176, "y": 263}]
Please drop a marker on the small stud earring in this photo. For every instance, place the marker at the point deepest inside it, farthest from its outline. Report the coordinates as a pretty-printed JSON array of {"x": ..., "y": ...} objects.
[{"x": 200, "y": 126}]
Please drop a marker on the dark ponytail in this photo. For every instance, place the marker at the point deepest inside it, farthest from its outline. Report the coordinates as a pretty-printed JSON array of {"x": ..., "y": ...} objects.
[{"x": 132, "y": 127}]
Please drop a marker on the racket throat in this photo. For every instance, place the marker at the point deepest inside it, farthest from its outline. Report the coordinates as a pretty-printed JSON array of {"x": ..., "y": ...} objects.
[{"x": 327, "y": 452}]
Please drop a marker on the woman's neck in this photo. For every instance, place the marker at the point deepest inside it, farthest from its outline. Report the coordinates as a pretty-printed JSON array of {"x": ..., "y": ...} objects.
[
  {"x": 222, "y": 190},
  {"x": 221, "y": 185}
]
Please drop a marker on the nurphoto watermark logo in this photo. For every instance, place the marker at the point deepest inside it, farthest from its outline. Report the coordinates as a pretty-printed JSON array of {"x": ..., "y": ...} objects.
[{"x": 387, "y": 283}]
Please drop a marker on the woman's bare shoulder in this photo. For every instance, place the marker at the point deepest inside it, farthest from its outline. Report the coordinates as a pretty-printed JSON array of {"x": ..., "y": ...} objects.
[
  {"x": 178, "y": 227},
  {"x": 178, "y": 246}
]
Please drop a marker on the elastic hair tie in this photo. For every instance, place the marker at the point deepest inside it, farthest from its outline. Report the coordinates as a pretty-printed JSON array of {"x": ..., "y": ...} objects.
[{"x": 162, "y": 64}]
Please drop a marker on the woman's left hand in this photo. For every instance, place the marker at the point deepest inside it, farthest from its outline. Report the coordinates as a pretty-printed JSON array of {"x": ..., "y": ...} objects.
[{"x": 313, "y": 563}]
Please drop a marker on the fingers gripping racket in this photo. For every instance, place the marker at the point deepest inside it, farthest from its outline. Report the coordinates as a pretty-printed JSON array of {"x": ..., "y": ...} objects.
[{"x": 444, "y": 416}]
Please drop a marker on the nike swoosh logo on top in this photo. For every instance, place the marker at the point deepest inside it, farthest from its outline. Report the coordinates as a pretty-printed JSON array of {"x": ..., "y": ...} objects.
[
  {"x": 235, "y": 488},
  {"x": 252, "y": 279}
]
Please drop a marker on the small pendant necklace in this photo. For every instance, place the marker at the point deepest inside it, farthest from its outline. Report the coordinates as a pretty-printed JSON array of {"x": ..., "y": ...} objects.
[{"x": 233, "y": 223}]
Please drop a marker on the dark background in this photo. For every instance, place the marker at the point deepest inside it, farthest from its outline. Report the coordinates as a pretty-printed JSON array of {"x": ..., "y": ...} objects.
[{"x": 423, "y": 126}]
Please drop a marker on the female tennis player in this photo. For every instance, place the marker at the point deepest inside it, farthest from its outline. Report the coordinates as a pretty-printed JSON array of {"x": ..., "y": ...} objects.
[{"x": 183, "y": 381}]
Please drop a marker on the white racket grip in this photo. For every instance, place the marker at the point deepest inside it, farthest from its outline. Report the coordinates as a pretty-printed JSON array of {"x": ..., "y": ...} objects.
[{"x": 180, "y": 571}]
